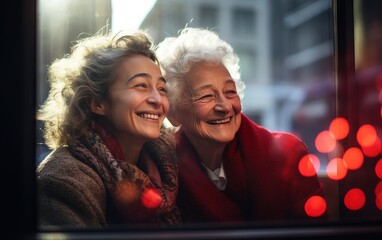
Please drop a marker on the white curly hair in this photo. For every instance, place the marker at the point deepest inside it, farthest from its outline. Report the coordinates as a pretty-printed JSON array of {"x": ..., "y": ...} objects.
[{"x": 176, "y": 56}]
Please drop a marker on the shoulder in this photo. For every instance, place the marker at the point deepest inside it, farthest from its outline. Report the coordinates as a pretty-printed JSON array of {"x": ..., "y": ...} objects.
[
  {"x": 61, "y": 166},
  {"x": 282, "y": 140},
  {"x": 287, "y": 141},
  {"x": 277, "y": 144},
  {"x": 69, "y": 192}
]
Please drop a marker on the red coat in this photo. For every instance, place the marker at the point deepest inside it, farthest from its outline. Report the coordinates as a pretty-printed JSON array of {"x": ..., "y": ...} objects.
[{"x": 263, "y": 180}]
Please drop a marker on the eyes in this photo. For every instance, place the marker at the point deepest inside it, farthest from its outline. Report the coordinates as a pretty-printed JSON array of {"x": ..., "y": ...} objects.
[
  {"x": 209, "y": 95},
  {"x": 145, "y": 86}
]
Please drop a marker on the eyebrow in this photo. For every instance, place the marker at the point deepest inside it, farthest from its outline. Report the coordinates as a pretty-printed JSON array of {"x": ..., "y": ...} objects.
[
  {"x": 209, "y": 85},
  {"x": 145, "y": 75}
]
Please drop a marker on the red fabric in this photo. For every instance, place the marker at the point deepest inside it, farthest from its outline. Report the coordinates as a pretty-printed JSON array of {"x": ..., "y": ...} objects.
[
  {"x": 263, "y": 181},
  {"x": 109, "y": 140},
  {"x": 142, "y": 193}
]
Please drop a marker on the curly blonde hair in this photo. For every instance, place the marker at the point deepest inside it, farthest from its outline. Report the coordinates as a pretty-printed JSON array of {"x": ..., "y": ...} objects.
[{"x": 87, "y": 73}]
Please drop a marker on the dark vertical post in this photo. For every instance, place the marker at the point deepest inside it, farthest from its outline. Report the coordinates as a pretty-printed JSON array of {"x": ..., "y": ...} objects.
[{"x": 18, "y": 94}]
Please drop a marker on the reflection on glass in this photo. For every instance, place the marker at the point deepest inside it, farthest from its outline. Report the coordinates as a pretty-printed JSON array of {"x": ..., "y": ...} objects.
[
  {"x": 367, "y": 104},
  {"x": 287, "y": 62}
]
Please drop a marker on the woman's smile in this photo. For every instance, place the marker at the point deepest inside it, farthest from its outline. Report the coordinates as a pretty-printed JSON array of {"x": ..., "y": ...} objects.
[{"x": 220, "y": 121}]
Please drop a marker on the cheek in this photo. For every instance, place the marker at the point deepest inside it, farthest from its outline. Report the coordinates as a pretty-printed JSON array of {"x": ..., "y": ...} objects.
[
  {"x": 189, "y": 115},
  {"x": 200, "y": 111},
  {"x": 236, "y": 105},
  {"x": 123, "y": 102}
]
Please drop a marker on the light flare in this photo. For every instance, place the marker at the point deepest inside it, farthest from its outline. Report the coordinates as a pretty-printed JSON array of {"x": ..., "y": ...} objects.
[
  {"x": 309, "y": 165},
  {"x": 339, "y": 127},
  {"x": 378, "y": 169},
  {"x": 127, "y": 192},
  {"x": 336, "y": 169},
  {"x": 374, "y": 149},
  {"x": 378, "y": 188},
  {"x": 151, "y": 198},
  {"x": 378, "y": 201},
  {"x": 378, "y": 195},
  {"x": 325, "y": 142},
  {"x": 355, "y": 199},
  {"x": 315, "y": 206},
  {"x": 353, "y": 157},
  {"x": 366, "y": 135}
]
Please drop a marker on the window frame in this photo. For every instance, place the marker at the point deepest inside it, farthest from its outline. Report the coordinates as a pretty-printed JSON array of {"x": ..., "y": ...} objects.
[{"x": 19, "y": 141}]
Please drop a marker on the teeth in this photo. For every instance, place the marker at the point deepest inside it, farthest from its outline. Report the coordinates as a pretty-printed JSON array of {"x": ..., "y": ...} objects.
[
  {"x": 219, "y": 121},
  {"x": 149, "y": 116}
]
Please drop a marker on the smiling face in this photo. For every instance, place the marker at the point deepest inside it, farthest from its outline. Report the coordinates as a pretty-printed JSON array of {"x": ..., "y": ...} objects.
[
  {"x": 210, "y": 109},
  {"x": 137, "y": 101}
]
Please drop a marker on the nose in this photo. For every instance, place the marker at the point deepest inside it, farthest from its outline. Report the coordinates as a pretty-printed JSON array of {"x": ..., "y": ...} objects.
[
  {"x": 222, "y": 104},
  {"x": 155, "y": 97}
]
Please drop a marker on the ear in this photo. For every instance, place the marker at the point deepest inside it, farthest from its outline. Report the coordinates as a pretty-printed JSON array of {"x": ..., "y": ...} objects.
[{"x": 97, "y": 108}]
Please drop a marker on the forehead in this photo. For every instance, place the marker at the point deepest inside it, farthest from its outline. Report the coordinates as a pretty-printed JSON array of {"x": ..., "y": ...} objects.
[
  {"x": 204, "y": 73},
  {"x": 137, "y": 63}
]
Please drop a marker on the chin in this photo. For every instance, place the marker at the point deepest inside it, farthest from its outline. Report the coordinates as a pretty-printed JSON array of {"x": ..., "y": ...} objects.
[
  {"x": 225, "y": 138},
  {"x": 153, "y": 136}
]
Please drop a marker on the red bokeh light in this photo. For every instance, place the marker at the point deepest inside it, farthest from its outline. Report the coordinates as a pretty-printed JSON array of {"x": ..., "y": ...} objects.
[
  {"x": 353, "y": 157},
  {"x": 336, "y": 169},
  {"x": 378, "y": 169},
  {"x": 355, "y": 199},
  {"x": 378, "y": 201},
  {"x": 309, "y": 165},
  {"x": 151, "y": 198},
  {"x": 366, "y": 135},
  {"x": 315, "y": 206},
  {"x": 339, "y": 127},
  {"x": 325, "y": 142},
  {"x": 378, "y": 188},
  {"x": 126, "y": 191},
  {"x": 378, "y": 82},
  {"x": 374, "y": 149}
]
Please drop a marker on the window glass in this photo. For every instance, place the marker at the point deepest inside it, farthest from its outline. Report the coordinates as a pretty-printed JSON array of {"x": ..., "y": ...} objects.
[
  {"x": 288, "y": 62},
  {"x": 208, "y": 16},
  {"x": 247, "y": 64},
  {"x": 243, "y": 21}
]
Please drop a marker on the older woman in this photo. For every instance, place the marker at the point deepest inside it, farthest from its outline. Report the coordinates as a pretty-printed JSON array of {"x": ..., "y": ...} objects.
[
  {"x": 231, "y": 169},
  {"x": 103, "y": 119}
]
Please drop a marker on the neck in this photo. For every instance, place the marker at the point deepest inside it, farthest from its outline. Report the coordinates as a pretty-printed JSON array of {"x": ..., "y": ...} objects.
[
  {"x": 131, "y": 153},
  {"x": 131, "y": 149},
  {"x": 209, "y": 152},
  {"x": 128, "y": 145},
  {"x": 211, "y": 159}
]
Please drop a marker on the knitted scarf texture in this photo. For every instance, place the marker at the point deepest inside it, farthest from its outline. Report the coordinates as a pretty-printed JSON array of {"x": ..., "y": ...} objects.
[{"x": 142, "y": 193}]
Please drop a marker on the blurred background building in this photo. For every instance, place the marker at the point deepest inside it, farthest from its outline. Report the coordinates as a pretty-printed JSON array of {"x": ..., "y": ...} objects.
[{"x": 285, "y": 49}]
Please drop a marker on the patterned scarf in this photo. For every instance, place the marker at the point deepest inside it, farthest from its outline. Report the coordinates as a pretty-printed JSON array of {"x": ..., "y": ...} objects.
[{"x": 142, "y": 193}]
